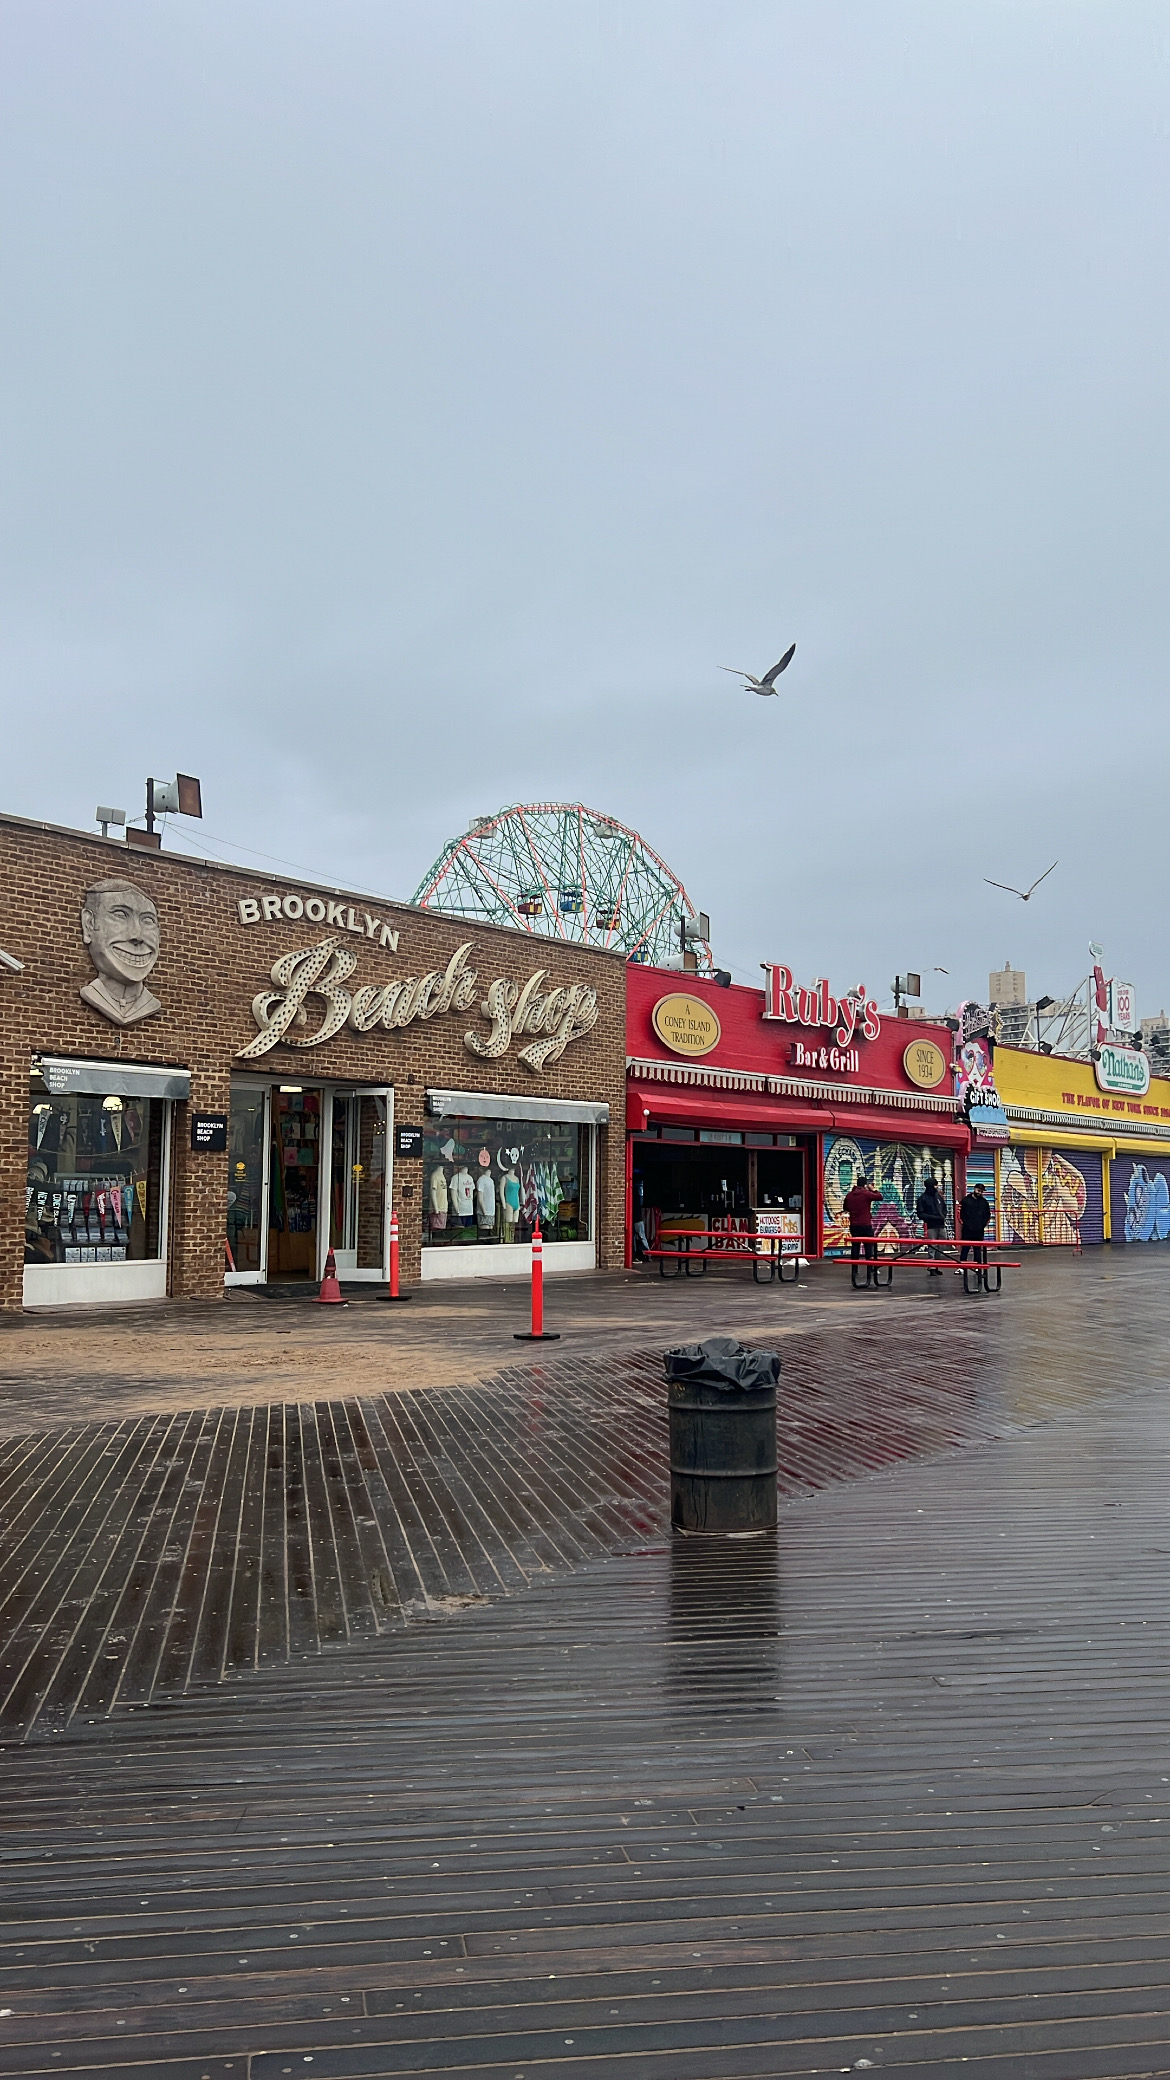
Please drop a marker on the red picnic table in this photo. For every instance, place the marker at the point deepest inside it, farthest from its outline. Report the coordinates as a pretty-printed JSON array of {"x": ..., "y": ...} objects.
[
  {"x": 881, "y": 1254},
  {"x": 734, "y": 1245}
]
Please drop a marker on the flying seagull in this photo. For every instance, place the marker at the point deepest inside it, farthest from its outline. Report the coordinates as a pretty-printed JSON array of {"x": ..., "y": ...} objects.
[
  {"x": 767, "y": 684},
  {"x": 1024, "y": 894}
]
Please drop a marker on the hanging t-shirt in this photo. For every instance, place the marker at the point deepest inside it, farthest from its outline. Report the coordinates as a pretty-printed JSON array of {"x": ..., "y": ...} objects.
[
  {"x": 485, "y": 1199},
  {"x": 462, "y": 1194}
]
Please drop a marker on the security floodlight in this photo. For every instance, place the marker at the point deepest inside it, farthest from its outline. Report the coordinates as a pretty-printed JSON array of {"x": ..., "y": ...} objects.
[
  {"x": 1045, "y": 1003},
  {"x": 108, "y": 816},
  {"x": 906, "y": 986}
]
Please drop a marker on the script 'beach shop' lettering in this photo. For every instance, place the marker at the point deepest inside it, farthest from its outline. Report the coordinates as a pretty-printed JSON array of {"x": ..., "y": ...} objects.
[{"x": 559, "y": 1015}]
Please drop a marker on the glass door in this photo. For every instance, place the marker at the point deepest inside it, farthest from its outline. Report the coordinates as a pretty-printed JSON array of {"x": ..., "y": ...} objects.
[
  {"x": 246, "y": 1228},
  {"x": 358, "y": 1128},
  {"x": 297, "y": 1169}
]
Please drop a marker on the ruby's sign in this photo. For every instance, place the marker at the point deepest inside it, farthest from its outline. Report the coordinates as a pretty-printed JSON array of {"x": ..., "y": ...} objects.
[
  {"x": 843, "y": 1061},
  {"x": 854, "y": 1013}
]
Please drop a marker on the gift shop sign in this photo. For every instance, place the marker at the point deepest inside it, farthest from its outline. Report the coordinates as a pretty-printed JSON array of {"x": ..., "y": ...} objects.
[
  {"x": 1122, "y": 1069},
  {"x": 847, "y": 1017},
  {"x": 318, "y": 976}
]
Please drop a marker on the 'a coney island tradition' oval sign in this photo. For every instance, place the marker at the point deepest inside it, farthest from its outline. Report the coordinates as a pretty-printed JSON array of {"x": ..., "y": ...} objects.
[{"x": 686, "y": 1024}]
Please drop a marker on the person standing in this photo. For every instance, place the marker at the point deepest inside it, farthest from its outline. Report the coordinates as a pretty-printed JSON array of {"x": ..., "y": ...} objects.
[
  {"x": 975, "y": 1212},
  {"x": 932, "y": 1212},
  {"x": 859, "y": 1205}
]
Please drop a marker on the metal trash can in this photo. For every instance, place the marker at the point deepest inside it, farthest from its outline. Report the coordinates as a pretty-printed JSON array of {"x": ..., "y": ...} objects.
[{"x": 722, "y": 1401}]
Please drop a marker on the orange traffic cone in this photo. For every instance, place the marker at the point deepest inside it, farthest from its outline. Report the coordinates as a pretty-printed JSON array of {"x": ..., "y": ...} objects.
[{"x": 330, "y": 1293}]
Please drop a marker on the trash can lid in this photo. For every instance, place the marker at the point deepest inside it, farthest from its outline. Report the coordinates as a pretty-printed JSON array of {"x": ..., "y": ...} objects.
[{"x": 723, "y": 1363}]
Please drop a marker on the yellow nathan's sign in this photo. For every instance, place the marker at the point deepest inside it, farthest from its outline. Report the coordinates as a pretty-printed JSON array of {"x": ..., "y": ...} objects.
[
  {"x": 925, "y": 1064},
  {"x": 686, "y": 1024},
  {"x": 1054, "y": 1083}
]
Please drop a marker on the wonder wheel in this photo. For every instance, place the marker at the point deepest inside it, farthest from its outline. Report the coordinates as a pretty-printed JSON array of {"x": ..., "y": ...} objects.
[{"x": 567, "y": 872}]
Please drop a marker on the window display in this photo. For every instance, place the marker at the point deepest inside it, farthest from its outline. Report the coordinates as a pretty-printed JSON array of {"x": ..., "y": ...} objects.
[
  {"x": 490, "y": 1180},
  {"x": 93, "y": 1189}
]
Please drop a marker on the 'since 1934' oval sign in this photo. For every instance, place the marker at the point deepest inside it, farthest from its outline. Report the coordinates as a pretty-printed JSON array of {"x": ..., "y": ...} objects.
[
  {"x": 686, "y": 1024},
  {"x": 925, "y": 1064}
]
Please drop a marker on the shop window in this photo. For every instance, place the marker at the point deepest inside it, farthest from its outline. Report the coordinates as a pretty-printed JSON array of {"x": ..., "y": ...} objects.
[
  {"x": 488, "y": 1181},
  {"x": 93, "y": 1190}
]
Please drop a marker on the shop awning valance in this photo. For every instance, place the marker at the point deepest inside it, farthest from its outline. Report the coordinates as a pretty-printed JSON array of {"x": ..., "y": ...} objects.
[
  {"x": 787, "y": 1116},
  {"x": 489, "y": 1105},
  {"x": 113, "y": 1079}
]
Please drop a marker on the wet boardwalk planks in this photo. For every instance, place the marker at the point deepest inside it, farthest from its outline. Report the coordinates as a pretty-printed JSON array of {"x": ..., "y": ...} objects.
[
  {"x": 144, "y": 1558},
  {"x": 452, "y": 1763},
  {"x": 892, "y": 1790}
]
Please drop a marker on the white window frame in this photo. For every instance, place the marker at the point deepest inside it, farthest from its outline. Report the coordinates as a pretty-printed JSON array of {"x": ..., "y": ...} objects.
[
  {"x": 260, "y": 1277},
  {"x": 346, "y": 1270},
  {"x": 514, "y": 1259},
  {"x": 96, "y": 1285}
]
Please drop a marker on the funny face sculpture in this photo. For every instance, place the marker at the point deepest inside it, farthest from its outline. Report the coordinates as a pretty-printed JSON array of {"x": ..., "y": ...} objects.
[{"x": 119, "y": 924}]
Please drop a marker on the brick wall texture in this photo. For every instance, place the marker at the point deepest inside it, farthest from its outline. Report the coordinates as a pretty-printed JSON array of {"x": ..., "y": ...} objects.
[{"x": 211, "y": 966}]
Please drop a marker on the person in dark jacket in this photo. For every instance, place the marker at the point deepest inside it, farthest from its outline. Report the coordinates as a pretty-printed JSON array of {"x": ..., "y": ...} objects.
[
  {"x": 975, "y": 1212},
  {"x": 859, "y": 1204},
  {"x": 932, "y": 1212}
]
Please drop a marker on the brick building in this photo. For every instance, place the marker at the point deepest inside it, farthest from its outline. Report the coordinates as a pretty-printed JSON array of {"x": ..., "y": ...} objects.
[{"x": 211, "y": 1076}]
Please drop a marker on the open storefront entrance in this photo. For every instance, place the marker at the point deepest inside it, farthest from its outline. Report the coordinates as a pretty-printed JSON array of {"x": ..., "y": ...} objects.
[
  {"x": 310, "y": 1172},
  {"x": 715, "y": 1179}
]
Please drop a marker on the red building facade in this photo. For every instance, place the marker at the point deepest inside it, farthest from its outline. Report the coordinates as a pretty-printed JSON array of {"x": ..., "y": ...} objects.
[{"x": 747, "y": 1101}]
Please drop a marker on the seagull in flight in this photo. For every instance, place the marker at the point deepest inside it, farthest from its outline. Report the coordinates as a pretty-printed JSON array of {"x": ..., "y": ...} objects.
[
  {"x": 1024, "y": 894},
  {"x": 767, "y": 684}
]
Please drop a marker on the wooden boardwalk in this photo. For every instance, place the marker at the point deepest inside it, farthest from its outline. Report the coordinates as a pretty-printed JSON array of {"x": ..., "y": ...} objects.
[
  {"x": 143, "y": 1558},
  {"x": 562, "y": 1798}
]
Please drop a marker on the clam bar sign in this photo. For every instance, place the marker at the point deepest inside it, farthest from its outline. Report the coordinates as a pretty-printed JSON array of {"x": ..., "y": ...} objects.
[{"x": 319, "y": 975}]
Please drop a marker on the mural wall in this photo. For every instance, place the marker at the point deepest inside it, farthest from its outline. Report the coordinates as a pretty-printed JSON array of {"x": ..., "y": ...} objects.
[
  {"x": 1139, "y": 1190},
  {"x": 1050, "y": 1195},
  {"x": 898, "y": 1170}
]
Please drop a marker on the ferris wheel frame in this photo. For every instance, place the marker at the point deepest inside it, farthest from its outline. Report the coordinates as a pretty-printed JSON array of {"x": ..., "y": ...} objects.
[{"x": 501, "y": 870}]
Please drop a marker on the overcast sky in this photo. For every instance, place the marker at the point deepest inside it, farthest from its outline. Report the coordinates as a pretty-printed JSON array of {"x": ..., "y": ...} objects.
[{"x": 409, "y": 407}]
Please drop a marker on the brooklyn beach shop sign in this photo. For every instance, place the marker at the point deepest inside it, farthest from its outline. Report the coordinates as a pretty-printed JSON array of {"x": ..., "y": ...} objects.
[{"x": 555, "y": 1018}]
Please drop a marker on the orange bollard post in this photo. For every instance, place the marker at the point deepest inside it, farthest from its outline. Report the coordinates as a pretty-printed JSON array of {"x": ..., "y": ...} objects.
[
  {"x": 330, "y": 1293},
  {"x": 394, "y": 1293},
  {"x": 538, "y": 1333}
]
